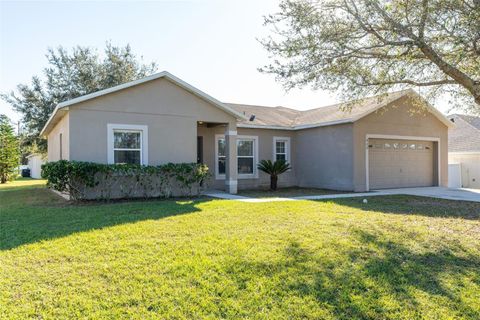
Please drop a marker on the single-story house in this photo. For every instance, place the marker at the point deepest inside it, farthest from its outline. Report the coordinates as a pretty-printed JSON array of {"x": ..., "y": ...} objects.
[
  {"x": 464, "y": 150},
  {"x": 376, "y": 143},
  {"x": 35, "y": 162}
]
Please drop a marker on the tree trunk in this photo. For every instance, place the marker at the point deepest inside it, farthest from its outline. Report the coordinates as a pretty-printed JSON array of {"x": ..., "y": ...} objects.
[{"x": 273, "y": 182}]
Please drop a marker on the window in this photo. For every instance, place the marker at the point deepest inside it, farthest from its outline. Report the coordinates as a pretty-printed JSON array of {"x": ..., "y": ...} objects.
[
  {"x": 247, "y": 150},
  {"x": 61, "y": 146},
  {"x": 222, "y": 157},
  {"x": 127, "y": 147},
  {"x": 281, "y": 148},
  {"x": 245, "y": 156},
  {"x": 127, "y": 144}
]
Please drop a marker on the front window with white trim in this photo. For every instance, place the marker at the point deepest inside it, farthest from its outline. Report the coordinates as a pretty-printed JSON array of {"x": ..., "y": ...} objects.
[
  {"x": 247, "y": 150},
  {"x": 221, "y": 156},
  {"x": 127, "y": 144},
  {"x": 245, "y": 156},
  {"x": 127, "y": 147},
  {"x": 281, "y": 148}
]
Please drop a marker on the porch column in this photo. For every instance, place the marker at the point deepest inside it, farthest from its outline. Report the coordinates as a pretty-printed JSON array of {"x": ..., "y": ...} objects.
[{"x": 231, "y": 158}]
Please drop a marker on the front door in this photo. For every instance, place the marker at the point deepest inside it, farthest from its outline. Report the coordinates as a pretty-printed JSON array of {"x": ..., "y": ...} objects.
[{"x": 199, "y": 149}]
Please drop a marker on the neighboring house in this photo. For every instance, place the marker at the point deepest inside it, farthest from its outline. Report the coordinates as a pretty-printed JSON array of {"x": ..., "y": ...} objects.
[
  {"x": 35, "y": 162},
  {"x": 464, "y": 149},
  {"x": 161, "y": 119}
]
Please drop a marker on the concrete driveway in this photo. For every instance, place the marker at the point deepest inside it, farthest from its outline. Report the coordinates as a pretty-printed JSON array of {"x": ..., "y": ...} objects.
[{"x": 438, "y": 192}]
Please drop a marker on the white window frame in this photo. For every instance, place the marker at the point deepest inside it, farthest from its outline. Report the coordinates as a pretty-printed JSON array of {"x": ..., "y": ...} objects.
[
  {"x": 287, "y": 148},
  {"x": 219, "y": 176},
  {"x": 60, "y": 138},
  {"x": 112, "y": 127}
]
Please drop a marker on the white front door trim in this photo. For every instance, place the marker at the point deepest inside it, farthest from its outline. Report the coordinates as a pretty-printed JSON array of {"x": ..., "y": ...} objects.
[{"x": 397, "y": 137}]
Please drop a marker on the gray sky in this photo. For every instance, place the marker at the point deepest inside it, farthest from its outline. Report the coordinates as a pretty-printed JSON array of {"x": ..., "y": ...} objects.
[{"x": 209, "y": 44}]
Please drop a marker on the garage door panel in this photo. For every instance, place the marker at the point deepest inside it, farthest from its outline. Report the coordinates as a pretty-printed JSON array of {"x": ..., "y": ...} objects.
[{"x": 400, "y": 163}]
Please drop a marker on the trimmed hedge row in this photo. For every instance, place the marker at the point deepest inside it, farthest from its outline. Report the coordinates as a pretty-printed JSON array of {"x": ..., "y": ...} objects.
[{"x": 88, "y": 180}]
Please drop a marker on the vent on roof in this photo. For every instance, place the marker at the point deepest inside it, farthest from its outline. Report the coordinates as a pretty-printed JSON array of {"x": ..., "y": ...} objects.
[
  {"x": 453, "y": 120},
  {"x": 252, "y": 117}
]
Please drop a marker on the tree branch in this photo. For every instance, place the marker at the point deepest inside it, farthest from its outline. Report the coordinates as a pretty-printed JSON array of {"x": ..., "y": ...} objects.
[
  {"x": 407, "y": 81},
  {"x": 421, "y": 31}
]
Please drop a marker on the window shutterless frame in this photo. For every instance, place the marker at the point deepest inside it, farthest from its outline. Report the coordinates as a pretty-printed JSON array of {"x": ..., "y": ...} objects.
[
  {"x": 249, "y": 157},
  {"x": 139, "y": 150},
  {"x": 112, "y": 128},
  {"x": 254, "y": 175},
  {"x": 286, "y": 142},
  {"x": 61, "y": 146}
]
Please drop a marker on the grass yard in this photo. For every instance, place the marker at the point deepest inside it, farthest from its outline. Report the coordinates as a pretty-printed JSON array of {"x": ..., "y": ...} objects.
[
  {"x": 285, "y": 192},
  {"x": 23, "y": 183},
  {"x": 396, "y": 257}
]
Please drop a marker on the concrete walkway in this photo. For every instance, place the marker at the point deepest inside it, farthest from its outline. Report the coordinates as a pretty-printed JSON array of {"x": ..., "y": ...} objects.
[
  {"x": 439, "y": 192},
  {"x": 433, "y": 192}
]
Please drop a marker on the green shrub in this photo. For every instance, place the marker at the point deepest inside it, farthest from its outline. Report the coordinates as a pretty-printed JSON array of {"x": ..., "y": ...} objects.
[
  {"x": 88, "y": 180},
  {"x": 274, "y": 169}
]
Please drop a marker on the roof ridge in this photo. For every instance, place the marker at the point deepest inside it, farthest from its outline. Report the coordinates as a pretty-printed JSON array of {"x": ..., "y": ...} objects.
[
  {"x": 471, "y": 125},
  {"x": 260, "y": 106},
  {"x": 361, "y": 99},
  {"x": 327, "y": 106}
]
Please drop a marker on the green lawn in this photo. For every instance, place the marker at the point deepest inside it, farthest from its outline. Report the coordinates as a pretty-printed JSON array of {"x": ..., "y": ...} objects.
[
  {"x": 393, "y": 258},
  {"x": 23, "y": 183},
  {"x": 286, "y": 192}
]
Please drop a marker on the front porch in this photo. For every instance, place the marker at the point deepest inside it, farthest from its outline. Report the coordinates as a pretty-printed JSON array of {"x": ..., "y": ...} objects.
[{"x": 217, "y": 148}]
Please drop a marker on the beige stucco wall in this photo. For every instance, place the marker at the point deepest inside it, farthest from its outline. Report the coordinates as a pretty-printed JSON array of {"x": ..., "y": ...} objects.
[
  {"x": 396, "y": 120},
  {"x": 331, "y": 157},
  {"x": 325, "y": 157},
  {"x": 470, "y": 167},
  {"x": 170, "y": 112},
  {"x": 53, "y": 142},
  {"x": 265, "y": 150}
]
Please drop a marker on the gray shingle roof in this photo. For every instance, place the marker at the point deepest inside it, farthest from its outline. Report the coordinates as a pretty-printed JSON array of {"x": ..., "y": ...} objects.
[
  {"x": 290, "y": 118},
  {"x": 465, "y": 136}
]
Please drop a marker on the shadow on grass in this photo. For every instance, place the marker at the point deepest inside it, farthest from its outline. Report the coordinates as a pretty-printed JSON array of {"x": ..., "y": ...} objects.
[
  {"x": 28, "y": 216},
  {"x": 412, "y": 205},
  {"x": 375, "y": 280}
]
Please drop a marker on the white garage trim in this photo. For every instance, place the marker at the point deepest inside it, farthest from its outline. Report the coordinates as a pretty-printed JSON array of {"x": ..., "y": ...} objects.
[{"x": 385, "y": 136}]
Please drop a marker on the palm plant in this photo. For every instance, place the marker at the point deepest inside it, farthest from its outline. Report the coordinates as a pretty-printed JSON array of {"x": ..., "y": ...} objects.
[{"x": 274, "y": 169}]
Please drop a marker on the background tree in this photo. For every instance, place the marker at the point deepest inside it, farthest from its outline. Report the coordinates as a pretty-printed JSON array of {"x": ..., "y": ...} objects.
[
  {"x": 9, "y": 150},
  {"x": 364, "y": 47},
  {"x": 71, "y": 74}
]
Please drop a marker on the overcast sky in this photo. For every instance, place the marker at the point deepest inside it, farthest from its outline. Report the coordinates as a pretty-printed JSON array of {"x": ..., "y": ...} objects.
[{"x": 210, "y": 44}]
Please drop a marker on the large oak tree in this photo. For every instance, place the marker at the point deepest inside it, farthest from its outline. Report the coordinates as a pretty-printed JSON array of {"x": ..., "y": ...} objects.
[
  {"x": 70, "y": 74},
  {"x": 362, "y": 47}
]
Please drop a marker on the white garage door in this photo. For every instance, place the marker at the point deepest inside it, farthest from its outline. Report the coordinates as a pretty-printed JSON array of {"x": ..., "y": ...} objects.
[{"x": 400, "y": 163}]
